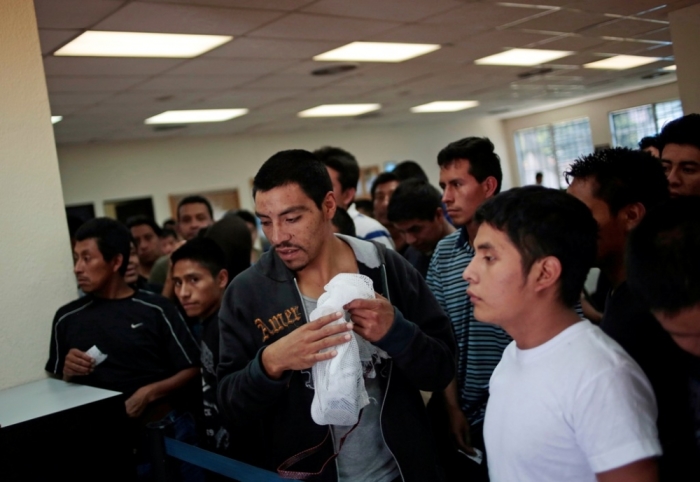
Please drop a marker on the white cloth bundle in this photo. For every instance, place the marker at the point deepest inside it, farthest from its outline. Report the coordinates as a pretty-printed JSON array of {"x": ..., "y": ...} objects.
[{"x": 339, "y": 383}]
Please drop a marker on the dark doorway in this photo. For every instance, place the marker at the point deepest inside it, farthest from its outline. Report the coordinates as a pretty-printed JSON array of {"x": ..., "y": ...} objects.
[{"x": 123, "y": 210}]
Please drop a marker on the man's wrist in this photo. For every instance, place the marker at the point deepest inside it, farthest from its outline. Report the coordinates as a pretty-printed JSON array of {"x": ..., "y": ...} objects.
[{"x": 272, "y": 369}]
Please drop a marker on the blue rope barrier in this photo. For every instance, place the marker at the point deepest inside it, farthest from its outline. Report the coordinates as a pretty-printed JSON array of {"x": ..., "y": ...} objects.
[{"x": 218, "y": 463}]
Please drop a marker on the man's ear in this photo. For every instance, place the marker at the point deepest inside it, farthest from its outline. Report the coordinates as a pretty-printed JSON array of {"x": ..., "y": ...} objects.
[
  {"x": 546, "y": 272},
  {"x": 222, "y": 278},
  {"x": 116, "y": 263},
  {"x": 489, "y": 185},
  {"x": 632, "y": 215},
  {"x": 329, "y": 205}
]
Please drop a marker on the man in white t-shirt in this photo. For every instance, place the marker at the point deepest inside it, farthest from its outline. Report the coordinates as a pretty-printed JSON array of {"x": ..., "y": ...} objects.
[{"x": 567, "y": 403}]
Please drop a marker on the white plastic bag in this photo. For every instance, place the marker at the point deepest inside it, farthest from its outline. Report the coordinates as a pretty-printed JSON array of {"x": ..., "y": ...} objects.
[{"x": 339, "y": 384}]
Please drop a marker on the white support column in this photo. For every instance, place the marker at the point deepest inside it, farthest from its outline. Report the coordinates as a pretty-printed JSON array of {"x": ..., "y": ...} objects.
[
  {"x": 35, "y": 260},
  {"x": 685, "y": 33}
]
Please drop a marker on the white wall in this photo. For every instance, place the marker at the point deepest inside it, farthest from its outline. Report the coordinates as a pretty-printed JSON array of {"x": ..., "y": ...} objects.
[
  {"x": 597, "y": 112},
  {"x": 93, "y": 173},
  {"x": 35, "y": 266},
  {"x": 686, "y": 48}
]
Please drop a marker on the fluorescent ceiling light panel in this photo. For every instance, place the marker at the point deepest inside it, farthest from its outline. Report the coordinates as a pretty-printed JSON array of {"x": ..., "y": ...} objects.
[
  {"x": 339, "y": 110},
  {"x": 137, "y": 44},
  {"x": 56, "y": 118},
  {"x": 621, "y": 62},
  {"x": 523, "y": 57},
  {"x": 376, "y": 52},
  {"x": 445, "y": 106},
  {"x": 194, "y": 116},
  {"x": 670, "y": 68}
]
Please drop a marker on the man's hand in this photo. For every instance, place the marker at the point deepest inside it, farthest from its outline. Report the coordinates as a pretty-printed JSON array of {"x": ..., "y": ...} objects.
[
  {"x": 372, "y": 318},
  {"x": 78, "y": 363},
  {"x": 137, "y": 403},
  {"x": 300, "y": 349},
  {"x": 459, "y": 429}
]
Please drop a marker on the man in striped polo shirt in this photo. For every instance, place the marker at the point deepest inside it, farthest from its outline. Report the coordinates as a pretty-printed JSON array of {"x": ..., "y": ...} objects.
[{"x": 470, "y": 173}]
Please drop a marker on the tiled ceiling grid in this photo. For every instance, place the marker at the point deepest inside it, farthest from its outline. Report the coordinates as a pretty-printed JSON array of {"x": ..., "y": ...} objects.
[{"x": 267, "y": 67}]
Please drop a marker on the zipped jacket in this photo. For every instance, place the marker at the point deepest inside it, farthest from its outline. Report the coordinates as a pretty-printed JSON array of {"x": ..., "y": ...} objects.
[{"x": 263, "y": 304}]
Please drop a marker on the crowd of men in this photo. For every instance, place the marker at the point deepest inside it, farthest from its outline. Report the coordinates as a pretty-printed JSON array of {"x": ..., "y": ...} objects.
[{"x": 478, "y": 296}]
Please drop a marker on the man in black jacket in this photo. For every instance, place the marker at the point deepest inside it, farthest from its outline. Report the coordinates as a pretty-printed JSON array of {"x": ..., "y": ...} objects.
[{"x": 268, "y": 344}]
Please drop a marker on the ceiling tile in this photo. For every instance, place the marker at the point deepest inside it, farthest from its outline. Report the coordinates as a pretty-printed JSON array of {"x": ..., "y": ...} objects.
[
  {"x": 564, "y": 21},
  {"x": 618, "y": 7},
  {"x": 621, "y": 28},
  {"x": 258, "y": 48},
  {"x": 53, "y": 39},
  {"x": 283, "y": 5},
  {"x": 420, "y": 33},
  {"x": 395, "y": 10},
  {"x": 137, "y": 99},
  {"x": 474, "y": 17},
  {"x": 575, "y": 43},
  {"x": 106, "y": 66},
  {"x": 74, "y": 14},
  {"x": 293, "y": 81},
  {"x": 245, "y": 98},
  {"x": 178, "y": 83},
  {"x": 206, "y": 66},
  {"x": 662, "y": 35},
  {"x": 151, "y": 17},
  {"x": 90, "y": 84},
  {"x": 310, "y": 27},
  {"x": 72, "y": 98}
]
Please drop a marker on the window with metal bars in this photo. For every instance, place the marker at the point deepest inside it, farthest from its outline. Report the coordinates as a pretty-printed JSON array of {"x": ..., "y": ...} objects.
[
  {"x": 550, "y": 149},
  {"x": 629, "y": 126}
]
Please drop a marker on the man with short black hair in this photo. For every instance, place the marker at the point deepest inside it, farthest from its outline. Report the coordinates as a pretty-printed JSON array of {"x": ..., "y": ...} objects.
[
  {"x": 118, "y": 339},
  {"x": 194, "y": 213},
  {"x": 680, "y": 155},
  {"x": 269, "y": 345},
  {"x": 146, "y": 234},
  {"x": 382, "y": 188},
  {"x": 345, "y": 174},
  {"x": 663, "y": 255},
  {"x": 470, "y": 173},
  {"x": 415, "y": 210},
  {"x": 199, "y": 280},
  {"x": 651, "y": 145},
  {"x": 567, "y": 403},
  {"x": 620, "y": 186}
]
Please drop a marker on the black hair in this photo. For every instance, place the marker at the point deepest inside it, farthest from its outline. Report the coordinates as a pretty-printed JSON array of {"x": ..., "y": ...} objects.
[
  {"x": 649, "y": 141},
  {"x": 538, "y": 175},
  {"x": 663, "y": 256},
  {"x": 543, "y": 222},
  {"x": 232, "y": 235},
  {"x": 414, "y": 199},
  {"x": 623, "y": 176},
  {"x": 479, "y": 151},
  {"x": 111, "y": 236},
  {"x": 196, "y": 199},
  {"x": 204, "y": 251},
  {"x": 246, "y": 216},
  {"x": 364, "y": 204},
  {"x": 344, "y": 223},
  {"x": 141, "y": 220},
  {"x": 409, "y": 170},
  {"x": 684, "y": 130},
  {"x": 168, "y": 233},
  {"x": 295, "y": 166},
  {"x": 382, "y": 178},
  {"x": 169, "y": 222},
  {"x": 341, "y": 161}
]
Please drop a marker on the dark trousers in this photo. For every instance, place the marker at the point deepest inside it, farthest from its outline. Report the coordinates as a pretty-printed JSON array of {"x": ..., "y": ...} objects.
[{"x": 457, "y": 467}]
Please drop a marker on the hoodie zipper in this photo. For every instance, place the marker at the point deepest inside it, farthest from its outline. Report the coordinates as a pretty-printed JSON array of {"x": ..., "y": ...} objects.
[{"x": 306, "y": 315}]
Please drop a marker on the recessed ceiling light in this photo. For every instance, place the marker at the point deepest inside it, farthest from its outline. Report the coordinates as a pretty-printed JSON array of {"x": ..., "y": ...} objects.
[
  {"x": 621, "y": 62},
  {"x": 339, "y": 110},
  {"x": 523, "y": 57},
  {"x": 137, "y": 44},
  {"x": 377, "y": 52},
  {"x": 193, "y": 116},
  {"x": 56, "y": 118},
  {"x": 445, "y": 106},
  {"x": 670, "y": 68}
]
